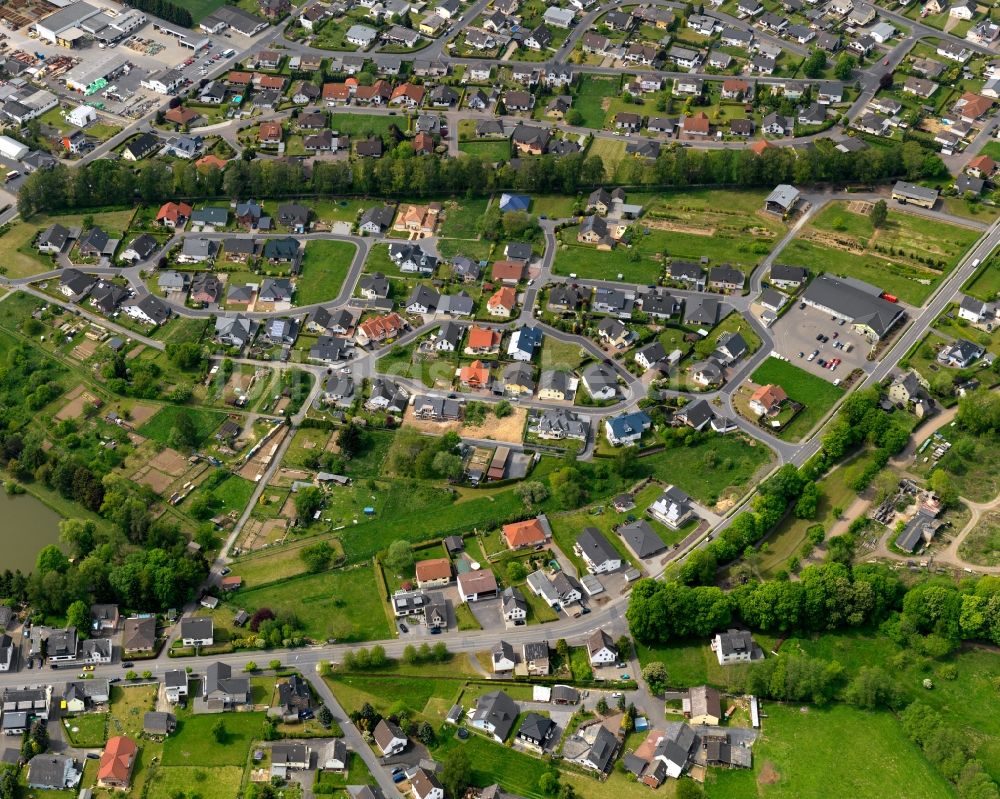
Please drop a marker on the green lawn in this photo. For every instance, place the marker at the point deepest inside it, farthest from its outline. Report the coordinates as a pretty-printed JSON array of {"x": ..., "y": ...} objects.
[
  {"x": 490, "y": 151},
  {"x": 194, "y": 743},
  {"x": 561, "y": 354},
  {"x": 360, "y": 126},
  {"x": 160, "y": 427},
  {"x": 815, "y": 393},
  {"x": 88, "y": 730},
  {"x": 325, "y": 265},
  {"x": 384, "y": 692},
  {"x": 985, "y": 284},
  {"x": 893, "y": 258},
  {"x": 589, "y": 98},
  {"x": 219, "y": 782},
  {"x": 340, "y": 604},
  {"x": 620, "y": 263},
  {"x": 865, "y": 755},
  {"x": 711, "y": 468},
  {"x": 232, "y": 494}
]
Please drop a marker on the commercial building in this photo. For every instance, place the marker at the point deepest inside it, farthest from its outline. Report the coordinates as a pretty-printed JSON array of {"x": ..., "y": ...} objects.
[{"x": 855, "y": 302}]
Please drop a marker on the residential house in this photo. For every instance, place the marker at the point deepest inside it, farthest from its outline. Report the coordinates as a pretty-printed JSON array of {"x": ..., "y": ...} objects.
[
  {"x": 735, "y": 646},
  {"x": 601, "y": 649},
  {"x": 627, "y": 428},
  {"x": 596, "y": 551},
  {"x": 673, "y": 508}
]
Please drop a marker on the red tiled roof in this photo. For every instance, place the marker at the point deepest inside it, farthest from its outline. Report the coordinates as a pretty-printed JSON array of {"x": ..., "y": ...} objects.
[{"x": 524, "y": 534}]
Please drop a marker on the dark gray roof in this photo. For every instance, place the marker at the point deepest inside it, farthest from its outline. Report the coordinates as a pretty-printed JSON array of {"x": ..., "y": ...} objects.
[
  {"x": 850, "y": 301},
  {"x": 595, "y": 547},
  {"x": 498, "y": 710},
  {"x": 641, "y": 538}
]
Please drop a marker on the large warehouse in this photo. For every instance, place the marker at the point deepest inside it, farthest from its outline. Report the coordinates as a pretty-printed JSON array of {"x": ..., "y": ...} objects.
[
  {"x": 63, "y": 26},
  {"x": 856, "y": 302}
]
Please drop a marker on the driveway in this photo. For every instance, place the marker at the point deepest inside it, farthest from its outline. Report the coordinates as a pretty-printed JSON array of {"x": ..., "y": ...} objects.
[{"x": 487, "y": 613}]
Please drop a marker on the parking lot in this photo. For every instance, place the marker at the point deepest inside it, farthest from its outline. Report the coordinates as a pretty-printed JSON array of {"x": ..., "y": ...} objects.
[{"x": 796, "y": 333}]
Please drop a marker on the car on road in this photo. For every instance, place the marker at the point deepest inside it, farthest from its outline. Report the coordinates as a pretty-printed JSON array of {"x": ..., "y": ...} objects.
[
  {"x": 88, "y": 668},
  {"x": 93, "y": 756},
  {"x": 127, "y": 664}
]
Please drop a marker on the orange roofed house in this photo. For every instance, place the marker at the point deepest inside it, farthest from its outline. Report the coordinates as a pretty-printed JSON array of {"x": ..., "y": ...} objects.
[
  {"x": 209, "y": 161},
  {"x": 982, "y": 166},
  {"x": 408, "y": 94},
  {"x": 433, "y": 573},
  {"x": 173, "y": 214},
  {"x": 502, "y": 303},
  {"x": 117, "y": 761},
  {"x": 482, "y": 341},
  {"x": 270, "y": 133},
  {"x": 972, "y": 107},
  {"x": 760, "y": 146},
  {"x": 767, "y": 400},
  {"x": 380, "y": 328},
  {"x": 475, "y": 375},
  {"x": 180, "y": 115},
  {"x": 697, "y": 124},
  {"x": 509, "y": 272},
  {"x": 419, "y": 219},
  {"x": 530, "y": 533}
]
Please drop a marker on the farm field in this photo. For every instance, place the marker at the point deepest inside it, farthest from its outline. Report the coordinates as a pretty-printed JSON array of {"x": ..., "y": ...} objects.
[
  {"x": 325, "y": 265},
  {"x": 894, "y": 258},
  {"x": 725, "y": 225},
  {"x": 342, "y": 604},
  {"x": 815, "y": 393},
  {"x": 802, "y": 752}
]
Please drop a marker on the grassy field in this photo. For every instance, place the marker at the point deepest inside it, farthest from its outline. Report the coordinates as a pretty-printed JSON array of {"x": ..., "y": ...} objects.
[
  {"x": 561, "y": 354},
  {"x": 712, "y": 468},
  {"x": 194, "y": 744},
  {"x": 973, "y": 463},
  {"x": 982, "y": 545},
  {"x": 220, "y": 782},
  {"x": 88, "y": 730},
  {"x": 491, "y": 151},
  {"x": 611, "y": 152},
  {"x": 324, "y": 267},
  {"x": 802, "y": 754},
  {"x": 725, "y": 226},
  {"x": 893, "y": 258},
  {"x": 694, "y": 663},
  {"x": 817, "y": 394},
  {"x": 359, "y": 126},
  {"x": 461, "y": 218},
  {"x": 590, "y": 97},
  {"x": 341, "y": 604},
  {"x": 21, "y": 259},
  {"x": 986, "y": 283},
  {"x": 417, "y": 693},
  {"x": 159, "y": 428},
  {"x": 620, "y": 263}
]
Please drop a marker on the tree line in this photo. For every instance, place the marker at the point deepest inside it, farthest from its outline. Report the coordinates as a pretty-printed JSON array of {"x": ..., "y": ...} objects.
[
  {"x": 103, "y": 182},
  {"x": 165, "y": 10}
]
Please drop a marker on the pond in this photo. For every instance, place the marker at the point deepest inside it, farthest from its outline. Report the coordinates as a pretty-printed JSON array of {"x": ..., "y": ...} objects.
[{"x": 28, "y": 525}]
